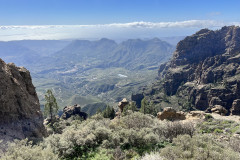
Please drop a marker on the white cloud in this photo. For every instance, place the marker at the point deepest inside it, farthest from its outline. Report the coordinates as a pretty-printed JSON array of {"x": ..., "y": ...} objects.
[{"x": 114, "y": 30}]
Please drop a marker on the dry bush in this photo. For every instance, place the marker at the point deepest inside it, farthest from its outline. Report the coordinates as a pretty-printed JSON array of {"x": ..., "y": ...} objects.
[
  {"x": 199, "y": 147},
  {"x": 234, "y": 143},
  {"x": 170, "y": 130},
  {"x": 24, "y": 150}
]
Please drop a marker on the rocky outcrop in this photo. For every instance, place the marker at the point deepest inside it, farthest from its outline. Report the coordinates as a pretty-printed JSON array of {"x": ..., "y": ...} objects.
[
  {"x": 20, "y": 115},
  {"x": 69, "y": 111},
  {"x": 219, "y": 110},
  {"x": 122, "y": 104},
  {"x": 204, "y": 71},
  {"x": 171, "y": 114}
]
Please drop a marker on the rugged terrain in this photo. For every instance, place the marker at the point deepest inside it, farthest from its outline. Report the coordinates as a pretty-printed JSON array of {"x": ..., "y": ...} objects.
[
  {"x": 203, "y": 73},
  {"x": 88, "y": 72},
  {"x": 20, "y": 115}
]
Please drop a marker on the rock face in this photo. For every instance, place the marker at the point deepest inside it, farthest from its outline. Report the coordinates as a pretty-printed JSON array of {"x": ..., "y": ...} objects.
[
  {"x": 204, "y": 71},
  {"x": 69, "y": 111},
  {"x": 137, "y": 98},
  {"x": 20, "y": 115},
  {"x": 235, "y": 110}
]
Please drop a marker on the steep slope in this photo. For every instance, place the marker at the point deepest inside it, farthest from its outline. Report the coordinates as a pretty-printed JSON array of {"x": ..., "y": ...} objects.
[
  {"x": 20, "y": 115},
  {"x": 138, "y": 54},
  {"x": 105, "y": 53},
  {"x": 86, "y": 51},
  {"x": 103, "y": 69},
  {"x": 204, "y": 72},
  {"x": 42, "y": 47}
]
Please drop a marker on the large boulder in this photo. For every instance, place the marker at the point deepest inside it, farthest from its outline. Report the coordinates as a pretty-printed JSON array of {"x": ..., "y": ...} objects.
[
  {"x": 69, "y": 111},
  {"x": 171, "y": 114},
  {"x": 219, "y": 110},
  {"x": 122, "y": 104},
  {"x": 20, "y": 114}
]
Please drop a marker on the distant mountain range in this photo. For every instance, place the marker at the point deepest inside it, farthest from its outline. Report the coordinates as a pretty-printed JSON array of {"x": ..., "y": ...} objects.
[{"x": 102, "y": 70}]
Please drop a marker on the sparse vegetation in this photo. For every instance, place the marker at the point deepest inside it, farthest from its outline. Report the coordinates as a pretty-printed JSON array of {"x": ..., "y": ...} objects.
[{"x": 134, "y": 135}]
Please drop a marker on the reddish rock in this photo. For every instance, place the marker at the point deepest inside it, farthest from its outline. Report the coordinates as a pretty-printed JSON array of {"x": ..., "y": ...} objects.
[{"x": 170, "y": 114}]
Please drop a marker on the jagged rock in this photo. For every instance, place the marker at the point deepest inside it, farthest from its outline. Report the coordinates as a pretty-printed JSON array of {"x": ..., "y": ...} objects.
[
  {"x": 219, "y": 110},
  {"x": 171, "y": 114},
  {"x": 20, "y": 115},
  {"x": 235, "y": 110},
  {"x": 204, "y": 71},
  {"x": 122, "y": 104},
  {"x": 69, "y": 111}
]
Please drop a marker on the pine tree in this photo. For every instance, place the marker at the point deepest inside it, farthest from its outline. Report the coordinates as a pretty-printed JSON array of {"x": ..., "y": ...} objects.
[
  {"x": 144, "y": 106},
  {"x": 51, "y": 106},
  {"x": 148, "y": 108},
  {"x": 109, "y": 112},
  {"x": 132, "y": 106}
]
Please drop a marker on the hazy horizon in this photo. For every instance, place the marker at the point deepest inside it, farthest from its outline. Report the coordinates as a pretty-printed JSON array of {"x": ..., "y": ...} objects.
[
  {"x": 95, "y": 19},
  {"x": 115, "y": 31}
]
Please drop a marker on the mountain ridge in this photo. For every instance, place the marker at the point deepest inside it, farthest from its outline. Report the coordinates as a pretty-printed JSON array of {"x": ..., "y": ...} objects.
[{"x": 202, "y": 73}]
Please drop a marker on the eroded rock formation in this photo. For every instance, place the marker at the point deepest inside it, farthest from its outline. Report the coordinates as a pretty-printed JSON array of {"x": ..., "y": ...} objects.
[
  {"x": 122, "y": 104},
  {"x": 171, "y": 114},
  {"x": 204, "y": 71},
  {"x": 20, "y": 115},
  {"x": 69, "y": 111}
]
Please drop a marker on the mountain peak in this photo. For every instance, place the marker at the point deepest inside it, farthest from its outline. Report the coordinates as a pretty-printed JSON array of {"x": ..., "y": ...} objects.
[{"x": 206, "y": 43}]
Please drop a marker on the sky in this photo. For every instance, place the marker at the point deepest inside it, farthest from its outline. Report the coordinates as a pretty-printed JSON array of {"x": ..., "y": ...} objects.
[{"x": 89, "y": 19}]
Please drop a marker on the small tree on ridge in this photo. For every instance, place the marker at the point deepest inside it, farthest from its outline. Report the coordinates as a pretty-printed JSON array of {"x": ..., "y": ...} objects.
[{"x": 51, "y": 106}]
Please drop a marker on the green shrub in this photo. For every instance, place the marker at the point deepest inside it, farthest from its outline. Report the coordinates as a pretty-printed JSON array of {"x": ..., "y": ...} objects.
[
  {"x": 198, "y": 147},
  {"x": 217, "y": 126},
  {"x": 24, "y": 150},
  {"x": 217, "y": 130},
  {"x": 109, "y": 112},
  {"x": 208, "y": 117}
]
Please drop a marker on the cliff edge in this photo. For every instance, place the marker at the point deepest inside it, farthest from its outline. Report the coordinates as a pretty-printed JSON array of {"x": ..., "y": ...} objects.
[{"x": 20, "y": 115}]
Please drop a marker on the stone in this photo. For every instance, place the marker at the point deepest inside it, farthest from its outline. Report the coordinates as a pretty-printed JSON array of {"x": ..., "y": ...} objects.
[
  {"x": 171, "y": 114},
  {"x": 219, "y": 110},
  {"x": 69, "y": 111},
  {"x": 122, "y": 104},
  {"x": 235, "y": 110},
  {"x": 20, "y": 114}
]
